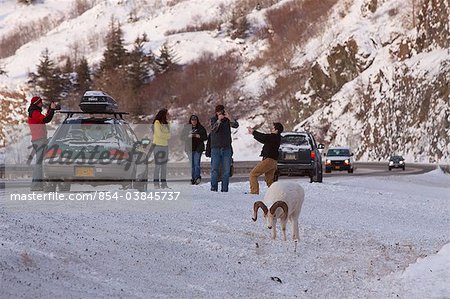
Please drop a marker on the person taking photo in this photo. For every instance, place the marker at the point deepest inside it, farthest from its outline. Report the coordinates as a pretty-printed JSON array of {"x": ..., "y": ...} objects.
[
  {"x": 221, "y": 150},
  {"x": 36, "y": 122}
]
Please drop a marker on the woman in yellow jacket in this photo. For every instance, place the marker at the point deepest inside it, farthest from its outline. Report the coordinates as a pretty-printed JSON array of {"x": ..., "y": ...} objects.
[{"x": 161, "y": 136}]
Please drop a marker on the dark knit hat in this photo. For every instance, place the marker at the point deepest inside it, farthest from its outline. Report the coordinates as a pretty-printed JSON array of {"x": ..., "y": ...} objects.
[{"x": 279, "y": 127}]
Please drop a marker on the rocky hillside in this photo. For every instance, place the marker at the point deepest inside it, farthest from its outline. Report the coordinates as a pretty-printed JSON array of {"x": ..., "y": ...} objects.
[
  {"x": 382, "y": 88},
  {"x": 372, "y": 74}
]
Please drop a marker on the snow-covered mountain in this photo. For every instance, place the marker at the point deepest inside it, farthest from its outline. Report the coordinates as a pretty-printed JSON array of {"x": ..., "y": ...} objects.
[{"x": 372, "y": 74}]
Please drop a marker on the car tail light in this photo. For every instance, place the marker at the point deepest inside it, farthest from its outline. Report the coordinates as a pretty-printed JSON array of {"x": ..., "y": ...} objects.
[
  {"x": 313, "y": 155},
  {"x": 53, "y": 153},
  {"x": 118, "y": 154}
]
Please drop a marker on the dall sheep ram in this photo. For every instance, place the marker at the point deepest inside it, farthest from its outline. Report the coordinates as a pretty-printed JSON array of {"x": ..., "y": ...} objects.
[{"x": 285, "y": 195}]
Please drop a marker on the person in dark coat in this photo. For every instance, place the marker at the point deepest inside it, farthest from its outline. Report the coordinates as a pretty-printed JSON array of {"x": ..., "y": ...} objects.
[
  {"x": 269, "y": 155},
  {"x": 221, "y": 151},
  {"x": 197, "y": 136},
  {"x": 36, "y": 122}
]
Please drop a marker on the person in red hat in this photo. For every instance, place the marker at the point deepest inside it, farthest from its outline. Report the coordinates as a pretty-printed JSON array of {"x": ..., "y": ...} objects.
[{"x": 37, "y": 121}]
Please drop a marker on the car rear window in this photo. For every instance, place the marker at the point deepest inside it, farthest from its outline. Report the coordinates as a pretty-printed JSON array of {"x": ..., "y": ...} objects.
[
  {"x": 300, "y": 140},
  {"x": 86, "y": 131}
]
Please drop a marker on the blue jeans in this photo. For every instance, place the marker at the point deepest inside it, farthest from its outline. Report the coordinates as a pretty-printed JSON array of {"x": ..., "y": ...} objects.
[
  {"x": 195, "y": 165},
  {"x": 220, "y": 162},
  {"x": 161, "y": 154}
]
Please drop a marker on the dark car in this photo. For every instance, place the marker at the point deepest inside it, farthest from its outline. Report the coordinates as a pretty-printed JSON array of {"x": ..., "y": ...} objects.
[
  {"x": 339, "y": 158},
  {"x": 95, "y": 149},
  {"x": 396, "y": 162},
  {"x": 299, "y": 155}
]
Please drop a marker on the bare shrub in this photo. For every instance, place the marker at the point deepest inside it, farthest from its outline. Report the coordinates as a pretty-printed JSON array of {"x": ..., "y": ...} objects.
[
  {"x": 80, "y": 7},
  {"x": 282, "y": 96},
  {"x": 307, "y": 17},
  {"x": 26, "y": 2},
  {"x": 113, "y": 82},
  {"x": 25, "y": 33},
  {"x": 95, "y": 41},
  {"x": 208, "y": 77},
  {"x": 248, "y": 5},
  {"x": 171, "y": 3},
  {"x": 209, "y": 26},
  {"x": 393, "y": 12}
]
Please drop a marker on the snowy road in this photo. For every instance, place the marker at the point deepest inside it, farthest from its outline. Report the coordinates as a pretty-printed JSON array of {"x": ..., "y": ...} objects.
[{"x": 357, "y": 236}]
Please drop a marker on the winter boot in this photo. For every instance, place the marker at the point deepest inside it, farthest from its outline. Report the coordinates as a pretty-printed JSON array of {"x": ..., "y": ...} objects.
[
  {"x": 156, "y": 184},
  {"x": 164, "y": 185}
]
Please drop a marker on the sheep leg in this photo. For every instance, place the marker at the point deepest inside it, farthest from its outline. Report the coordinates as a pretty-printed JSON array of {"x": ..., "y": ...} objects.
[
  {"x": 274, "y": 229},
  {"x": 295, "y": 235},
  {"x": 283, "y": 229}
]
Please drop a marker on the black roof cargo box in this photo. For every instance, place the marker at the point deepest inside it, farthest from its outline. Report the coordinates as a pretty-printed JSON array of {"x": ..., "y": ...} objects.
[{"x": 97, "y": 101}]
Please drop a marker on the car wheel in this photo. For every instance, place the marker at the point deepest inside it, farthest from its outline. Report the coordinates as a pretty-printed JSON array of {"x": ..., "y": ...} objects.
[
  {"x": 49, "y": 187},
  {"x": 350, "y": 170},
  {"x": 390, "y": 169},
  {"x": 403, "y": 168},
  {"x": 320, "y": 177},
  {"x": 64, "y": 187}
]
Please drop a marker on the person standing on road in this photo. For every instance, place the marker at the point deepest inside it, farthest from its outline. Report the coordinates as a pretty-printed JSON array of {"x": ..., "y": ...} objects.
[
  {"x": 36, "y": 122},
  {"x": 221, "y": 151},
  {"x": 269, "y": 154},
  {"x": 161, "y": 136},
  {"x": 196, "y": 141}
]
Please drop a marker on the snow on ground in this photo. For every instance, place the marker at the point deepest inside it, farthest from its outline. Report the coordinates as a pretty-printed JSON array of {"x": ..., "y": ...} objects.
[{"x": 359, "y": 237}]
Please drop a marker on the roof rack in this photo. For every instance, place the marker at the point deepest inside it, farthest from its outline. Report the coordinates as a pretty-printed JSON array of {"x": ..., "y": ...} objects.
[{"x": 116, "y": 114}]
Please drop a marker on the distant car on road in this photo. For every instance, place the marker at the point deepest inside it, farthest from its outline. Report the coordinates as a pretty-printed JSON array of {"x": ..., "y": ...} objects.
[
  {"x": 299, "y": 155},
  {"x": 339, "y": 158},
  {"x": 396, "y": 162}
]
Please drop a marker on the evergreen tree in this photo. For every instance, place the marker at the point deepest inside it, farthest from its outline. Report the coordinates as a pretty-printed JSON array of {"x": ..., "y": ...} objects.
[
  {"x": 166, "y": 59},
  {"x": 83, "y": 81},
  {"x": 48, "y": 78},
  {"x": 115, "y": 54},
  {"x": 239, "y": 24},
  {"x": 140, "y": 64}
]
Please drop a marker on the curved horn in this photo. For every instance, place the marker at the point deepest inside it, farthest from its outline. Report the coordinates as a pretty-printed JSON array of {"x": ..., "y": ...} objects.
[
  {"x": 256, "y": 206},
  {"x": 280, "y": 204}
]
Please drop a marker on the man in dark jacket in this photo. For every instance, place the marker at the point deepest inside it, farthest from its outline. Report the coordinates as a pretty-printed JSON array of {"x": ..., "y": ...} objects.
[
  {"x": 269, "y": 154},
  {"x": 37, "y": 121},
  {"x": 221, "y": 151}
]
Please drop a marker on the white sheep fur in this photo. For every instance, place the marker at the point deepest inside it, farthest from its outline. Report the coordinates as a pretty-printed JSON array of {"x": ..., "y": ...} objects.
[{"x": 287, "y": 194}]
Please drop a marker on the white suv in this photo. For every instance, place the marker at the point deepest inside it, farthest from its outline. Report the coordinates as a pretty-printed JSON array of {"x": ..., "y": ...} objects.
[{"x": 339, "y": 158}]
